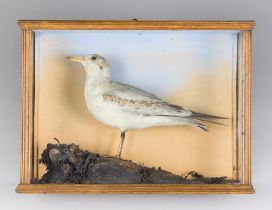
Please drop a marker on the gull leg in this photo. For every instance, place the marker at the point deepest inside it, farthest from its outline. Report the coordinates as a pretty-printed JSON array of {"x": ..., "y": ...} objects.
[{"x": 123, "y": 135}]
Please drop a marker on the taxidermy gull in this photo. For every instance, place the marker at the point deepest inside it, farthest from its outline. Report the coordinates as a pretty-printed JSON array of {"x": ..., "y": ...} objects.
[{"x": 126, "y": 107}]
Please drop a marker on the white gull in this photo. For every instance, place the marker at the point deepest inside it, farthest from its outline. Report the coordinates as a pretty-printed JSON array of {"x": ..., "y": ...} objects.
[{"x": 126, "y": 107}]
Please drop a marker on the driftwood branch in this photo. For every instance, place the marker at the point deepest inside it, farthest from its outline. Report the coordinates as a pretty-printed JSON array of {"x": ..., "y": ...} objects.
[{"x": 68, "y": 163}]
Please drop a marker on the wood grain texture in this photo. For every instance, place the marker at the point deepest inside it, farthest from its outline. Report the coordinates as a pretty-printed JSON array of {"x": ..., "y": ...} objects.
[
  {"x": 246, "y": 106},
  {"x": 134, "y": 189},
  {"x": 27, "y": 106},
  {"x": 29, "y": 26},
  {"x": 134, "y": 25}
]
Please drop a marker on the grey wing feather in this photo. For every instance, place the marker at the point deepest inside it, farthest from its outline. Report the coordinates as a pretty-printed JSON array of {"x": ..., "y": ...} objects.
[
  {"x": 148, "y": 104},
  {"x": 136, "y": 100},
  {"x": 125, "y": 88}
]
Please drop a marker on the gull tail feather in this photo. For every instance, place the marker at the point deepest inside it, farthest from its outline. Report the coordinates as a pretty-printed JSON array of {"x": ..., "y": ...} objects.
[
  {"x": 208, "y": 118},
  {"x": 202, "y": 127},
  {"x": 201, "y": 115},
  {"x": 193, "y": 120}
]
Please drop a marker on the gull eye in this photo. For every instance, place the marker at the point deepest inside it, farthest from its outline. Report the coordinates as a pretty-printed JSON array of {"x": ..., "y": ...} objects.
[{"x": 94, "y": 58}]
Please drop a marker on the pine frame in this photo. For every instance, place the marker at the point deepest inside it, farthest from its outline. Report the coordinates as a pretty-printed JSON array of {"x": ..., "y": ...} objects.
[{"x": 28, "y": 28}]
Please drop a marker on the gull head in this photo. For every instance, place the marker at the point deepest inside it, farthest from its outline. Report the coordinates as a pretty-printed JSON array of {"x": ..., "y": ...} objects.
[{"x": 94, "y": 64}]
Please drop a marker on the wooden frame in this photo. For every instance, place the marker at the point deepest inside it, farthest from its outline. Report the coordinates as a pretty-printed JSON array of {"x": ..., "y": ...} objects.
[{"x": 28, "y": 28}]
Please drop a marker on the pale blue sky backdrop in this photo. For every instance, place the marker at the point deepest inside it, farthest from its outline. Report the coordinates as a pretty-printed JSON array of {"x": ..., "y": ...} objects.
[{"x": 157, "y": 61}]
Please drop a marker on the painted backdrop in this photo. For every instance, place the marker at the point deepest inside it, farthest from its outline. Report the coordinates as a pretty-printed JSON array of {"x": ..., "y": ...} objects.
[{"x": 195, "y": 69}]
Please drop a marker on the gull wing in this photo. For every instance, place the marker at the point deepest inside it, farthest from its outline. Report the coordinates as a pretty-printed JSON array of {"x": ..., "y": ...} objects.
[{"x": 132, "y": 99}]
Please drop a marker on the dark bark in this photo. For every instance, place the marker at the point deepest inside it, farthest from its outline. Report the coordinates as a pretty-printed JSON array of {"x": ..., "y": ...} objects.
[{"x": 67, "y": 163}]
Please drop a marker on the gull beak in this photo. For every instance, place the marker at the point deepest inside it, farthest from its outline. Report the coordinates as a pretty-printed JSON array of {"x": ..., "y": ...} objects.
[{"x": 75, "y": 58}]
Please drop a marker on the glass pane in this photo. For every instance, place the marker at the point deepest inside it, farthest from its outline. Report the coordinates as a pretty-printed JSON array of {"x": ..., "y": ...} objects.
[{"x": 186, "y": 70}]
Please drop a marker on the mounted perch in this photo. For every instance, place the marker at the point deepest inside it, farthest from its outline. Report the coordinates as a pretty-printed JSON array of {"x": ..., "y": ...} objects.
[{"x": 68, "y": 163}]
